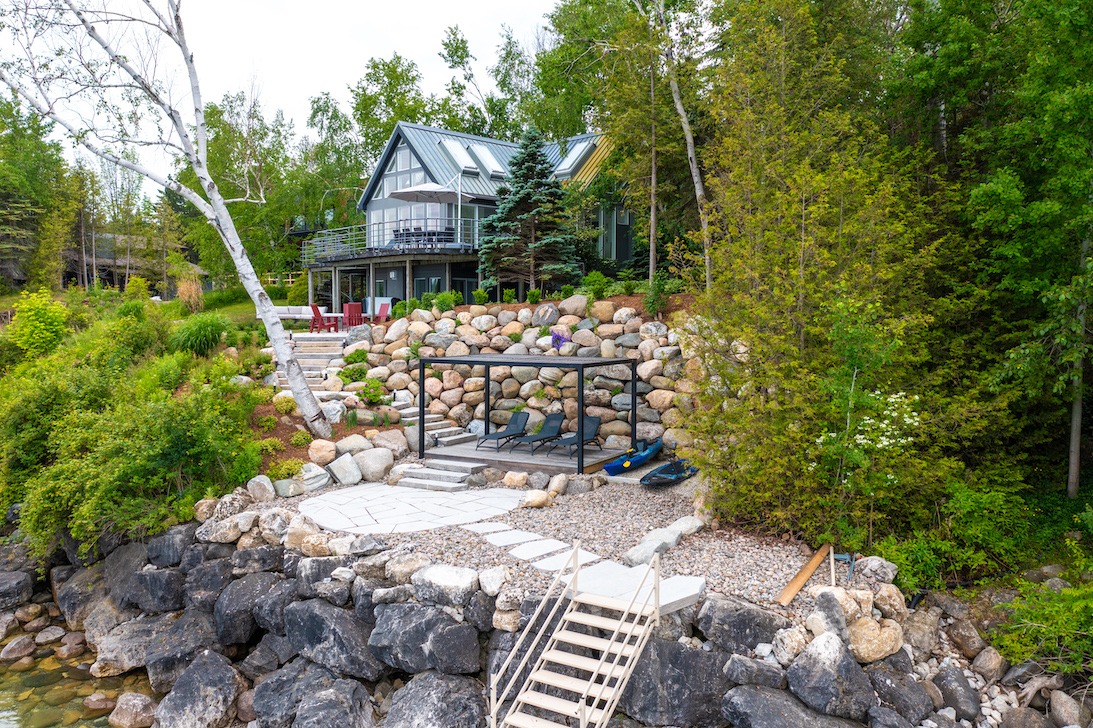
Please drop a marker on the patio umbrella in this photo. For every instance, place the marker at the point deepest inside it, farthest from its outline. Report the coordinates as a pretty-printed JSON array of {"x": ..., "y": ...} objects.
[{"x": 432, "y": 192}]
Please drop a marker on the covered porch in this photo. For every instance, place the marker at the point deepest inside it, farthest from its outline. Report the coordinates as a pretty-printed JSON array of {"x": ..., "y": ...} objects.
[{"x": 375, "y": 280}]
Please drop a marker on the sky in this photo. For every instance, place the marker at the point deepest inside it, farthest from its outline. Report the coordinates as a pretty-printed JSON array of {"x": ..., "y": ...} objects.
[{"x": 290, "y": 51}]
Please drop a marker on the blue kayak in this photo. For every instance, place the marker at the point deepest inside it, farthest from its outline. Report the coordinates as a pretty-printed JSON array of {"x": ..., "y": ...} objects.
[{"x": 634, "y": 457}]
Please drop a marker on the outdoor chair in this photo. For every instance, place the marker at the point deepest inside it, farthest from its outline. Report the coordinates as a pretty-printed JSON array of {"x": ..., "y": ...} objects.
[
  {"x": 320, "y": 323},
  {"x": 551, "y": 430},
  {"x": 514, "y": 428},
  {"x": 385, "y": 309},
  {"x": 573, "y": 441},
  {"x": 351, "y": 314}
]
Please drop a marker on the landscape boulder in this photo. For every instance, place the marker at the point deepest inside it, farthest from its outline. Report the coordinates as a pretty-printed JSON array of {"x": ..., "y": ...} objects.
[
  {"x": 345, "y": 703},
  {"x": 827, "y": 678},
  {"x": 434, "y": 699},
  {"x": 741, "y": 670},
  {"x": 416, "y": 638},
  {"x": 332, "y": 637},
  {"x": 16, "y": 587},
  {"x": 736, "y": 625},
  {"x": 374, "y": 464},
  {"x": 234, "y": 610},
  {"x": 133, "y": 710},
  {"x": 203, "y": 696},
  {"x": 345, "y": 470},
  {"x": 166, "y": 549},
  {"x": 674, "y": 684},
  {"x": 445, "y": 585},
  {"x": 957, "y": 692},
  {"x": 277, "y": 697},
  {"x": 125, "y": 648},
  {"x": 757, "y": 706},
  {"x": 901, "y": 692},
  {"x": 171, "y": 651}
]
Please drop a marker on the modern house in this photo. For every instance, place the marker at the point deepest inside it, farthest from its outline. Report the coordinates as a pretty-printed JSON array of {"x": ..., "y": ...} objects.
[{"x": 425, "y": 204}]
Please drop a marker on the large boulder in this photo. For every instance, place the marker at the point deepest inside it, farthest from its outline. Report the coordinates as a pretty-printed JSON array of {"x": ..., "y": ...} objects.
[
  {"x": 1065, "y": 710},
  {"x": 234, "y": 611},
  {"x": 133, "y": 710},
  {"x": 16, "y": 587},
  {"x": 445, "y": 585},
  {"x": 205, "y": 582},
  {"x": 827, "y": 678},
  {"x": 374, "y": 464},
  {"x": 166, "y": 549},
  {"x": 332, "y": 637},
  {"x": 125, "y": 648},
  {"x": 432, "y": 699},
  {"x": 674, "y": 684},
  {"x": 735, "y": 625},
  {"x": 742, "y": 670},
  {"x": 415, "y": 638},
  {"x": 871, "y": 640},
  {"x": 160, "y": 590},
  {"x": 121, "y": 567},
  {"x": 900, "y": 691},
  {"x": 277, "y": 697},
  {"x": 575, "y": 305},
  {"x": 1025, "y": 718},
  {"x": 394, "y": 441},
  {"x": 345, "y": 470},
  {"x": 203, "y": 696},
  {"x": 171, "y": 651},
  {"x": 957, "y": 692},
  {"x": 271, "y": 652},
  {"x": 757, "y": 706},
  {"x": 78, "y": 596},
  {"x": 346, "y": 703}
]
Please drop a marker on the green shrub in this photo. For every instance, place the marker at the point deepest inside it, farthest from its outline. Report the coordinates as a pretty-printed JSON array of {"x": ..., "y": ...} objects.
[
  {"x": 284, "y": 469},
  {"x": 256, "y": 364},
  {"x": 534, "y": 296},
  {"x": 300, "y": 438},
  {"x": 567, "y": 290},
  {"x": 162, "y": 374},
  {"x": 399, "y": 310},
  {"x": 427, "y": 300},
  {"x": 39, "y": 323},
  {"x": 284, "y": 405},
  {"x": 372, "y": 391},
  {"x": 354, "y": 373},
  {"x": 629, "y": 288},
  {"x": 415, "y": 347},
  {"x": 656, "y": 300},
  {"x": 278, "y": 292},
  {"x": 264, "y": 395},
  {"x": 481, "y": 297},
  {"x": 132, "y": 309},
  {"x": 270, "y": 445},
  {"x": 1055, "y": 629},
  {"x": 136, "y": 289},
  {"x": 457, "y": 298},
  {"x": 351, "y": 418},
  {"x": 360, "y": 356},
  {"x": 543, "y": 331},
  {"x": 200, "y": 333},
  {"x": 225, "y": 297},
  {"x": 297, "y": 292},
  {"x": 508, "y": 295},
  {"x": 412, "y": 305},
  {"x": 515, "y": 337},
  {"x": 596, "y": 284},
  {"x": 445, "y": 301},
  {"x": 267, "y": 423}
]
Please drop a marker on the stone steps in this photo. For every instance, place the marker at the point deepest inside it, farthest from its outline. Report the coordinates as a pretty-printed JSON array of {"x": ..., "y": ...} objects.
[
  {"x": 457, "y": 439},
  {"x": 457, "y": 466},
  {"x": 428, "y": 484}
]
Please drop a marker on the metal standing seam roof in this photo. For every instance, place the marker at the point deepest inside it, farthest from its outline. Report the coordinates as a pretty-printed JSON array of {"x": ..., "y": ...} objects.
[{"x": 424, "y": 142}]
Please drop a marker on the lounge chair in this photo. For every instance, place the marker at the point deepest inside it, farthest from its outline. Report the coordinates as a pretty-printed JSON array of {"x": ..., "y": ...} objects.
[
  {"x": 320, "y": 323},
  {"x": 572, "y": 440},
  {"x": 514, "y": 428},
  {"x": 551, "y": 430},
  {"x": 351, "y": 314},
  {"x": 379, "y": 318}
]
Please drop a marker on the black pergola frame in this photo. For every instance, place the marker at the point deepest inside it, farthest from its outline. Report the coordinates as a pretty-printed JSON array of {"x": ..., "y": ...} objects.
[{"x": 539, "y": 361}]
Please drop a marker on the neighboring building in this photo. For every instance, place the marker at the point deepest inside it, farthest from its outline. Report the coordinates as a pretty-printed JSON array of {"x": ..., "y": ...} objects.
[{"x": 419, "y": 239}]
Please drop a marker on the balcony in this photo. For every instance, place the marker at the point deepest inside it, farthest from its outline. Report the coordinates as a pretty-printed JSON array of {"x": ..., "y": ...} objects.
[{"x": 418, "y": 236}]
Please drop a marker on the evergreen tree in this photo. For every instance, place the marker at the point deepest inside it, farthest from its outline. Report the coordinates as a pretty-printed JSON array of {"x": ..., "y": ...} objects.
[{"x": 527, "y": 239}]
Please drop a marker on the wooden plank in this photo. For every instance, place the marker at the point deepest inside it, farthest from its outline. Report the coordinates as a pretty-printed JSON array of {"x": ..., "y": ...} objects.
[{"x": 802, "y": 576}]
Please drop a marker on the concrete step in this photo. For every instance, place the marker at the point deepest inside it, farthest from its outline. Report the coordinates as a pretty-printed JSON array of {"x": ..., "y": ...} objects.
[
  {"x": 427, "y": 484},
  {"x": 456, "y": 439},
  {"x": 446, "y": 429},
  {"x": 448, "y": 476},
  {"x": 456, "y": 466},
  {"x": 429, "y": 417}
]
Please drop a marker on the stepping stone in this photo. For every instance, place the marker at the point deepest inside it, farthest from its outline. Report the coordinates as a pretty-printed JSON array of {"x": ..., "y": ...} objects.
[
  {"x": 560, "y": 561},
  {"x": 610, "y": 579},
  {"x": 486, "y": 527},
  {"x": 511, "y": 538},
  {"x": 537, "y": 549}
]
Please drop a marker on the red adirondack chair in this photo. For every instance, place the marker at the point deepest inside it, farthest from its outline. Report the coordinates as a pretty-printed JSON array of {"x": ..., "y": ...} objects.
[
  {"x": 320, "y": 323},
  {"x": 385, "y": 309},
  {"x": 352, "y": 315}
]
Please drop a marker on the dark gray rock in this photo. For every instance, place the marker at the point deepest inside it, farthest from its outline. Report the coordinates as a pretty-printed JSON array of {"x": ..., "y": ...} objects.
[
  {"x": 192, "y": 557},
  {"x": 159, "y": 590},
  {"x": 479, "y": 611},
  {"x": 957, "y": 692},
  {"x": 827, "y": 678},
  {"x": 1021, "y": 674},
  {"x": 167, "y": 548},
  {"x": 332, "y": 637},
  {"x": 291, "y": 562},
  {"x": 121, "y": 567},
  {"x": 205, "y": 582},
  {"x": 742, "y": 670},
  {"x": 219, "y": 551},
  {"x": 757, "y": 706},
  {"x": 269, "y": 609},
  {"x": 830, "y": 613},
  {"x": 262, "y": 558},
  {"x": 234, "y": 611},
  {"x": 735, "y": 625},
  {"x": 270, "y": 653},
  {"x": 431, "y": 699},
  {"x": 676, "y": 685},
  {"x": 880, "y": 717},
  {"x": 1025, "y": 718},
  {"x": 361, "y": 593},
  {"x": 125, "y": 647},
  {"x": 310, "y": 572},
  {"x": 203, "y": 696},
  {"x": 170, "y": 652},
  {"x": 346, "y": 703},
  {"x": 900, "y": 661},
  {"x": 277, "y": 697},
  {"x": 546, "y": 314},
  {"x": 334, "y": 591},
  {"x": 80, "y": 594},
  {"x": 900, "y": 691},
  {"x": 942, "y": 721},
  {"x": 416, "y": 638},
  {"x": 16, "y": 587}
]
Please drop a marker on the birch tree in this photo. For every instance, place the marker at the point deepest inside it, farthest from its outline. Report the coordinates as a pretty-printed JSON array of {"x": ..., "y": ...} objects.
[{"x": 121, "y": 75}]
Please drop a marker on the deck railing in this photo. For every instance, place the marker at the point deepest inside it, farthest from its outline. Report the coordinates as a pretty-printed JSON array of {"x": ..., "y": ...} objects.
[{"x": 416, "y": 235}]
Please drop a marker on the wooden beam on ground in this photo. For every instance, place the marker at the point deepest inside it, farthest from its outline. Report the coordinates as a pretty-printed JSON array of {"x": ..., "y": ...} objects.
[{"x": 803, "y": 575}]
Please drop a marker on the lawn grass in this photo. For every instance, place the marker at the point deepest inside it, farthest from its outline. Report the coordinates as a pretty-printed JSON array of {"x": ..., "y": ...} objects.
[{"x": 243, "y": 313}]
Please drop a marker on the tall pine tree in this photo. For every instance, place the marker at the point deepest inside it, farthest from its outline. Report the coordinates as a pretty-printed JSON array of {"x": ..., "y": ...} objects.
[{"x": 528, "y": 240}]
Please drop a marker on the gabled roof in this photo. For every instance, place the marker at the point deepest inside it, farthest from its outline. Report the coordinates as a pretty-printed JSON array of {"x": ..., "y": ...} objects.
[{"x": 426, "y": 142}]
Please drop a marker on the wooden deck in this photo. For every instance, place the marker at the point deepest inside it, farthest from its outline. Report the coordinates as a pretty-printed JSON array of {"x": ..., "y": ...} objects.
[{"x": 551, "y": 463}]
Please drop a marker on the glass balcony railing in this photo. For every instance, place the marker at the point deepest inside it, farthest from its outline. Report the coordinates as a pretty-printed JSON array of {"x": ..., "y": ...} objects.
[{"x": 417, "y": 235}]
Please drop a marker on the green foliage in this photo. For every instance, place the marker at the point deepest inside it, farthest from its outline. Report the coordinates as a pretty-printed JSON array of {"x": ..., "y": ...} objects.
[
  {"x": 351, "y": 418},
  {"x": 1055, "y": 629},
  {"x": 226, "y": 297},
  {"x": 278, "y": 292},
  {"x": 481, "y": 298},
  {"x": 656, "y": 300},
  {"x": 412, "y": 304},
  {"x": 508, "y": 295},
  {"x": 415, "y": 347},
  {"x": 300, "y": 438},
  {"x": 132, "y": 309},
  {"x": 544, "y": 331},
  {"x": 136, "y": 289},
  {"x": 284, "y": 469},
  {"x": 567, "y": 290},
  {"x": 372, "y": 391},
  {"x": 445, "y": 301},
  {"x": 354, "y": 373},
  {"x": 427, "y": 299},
  {"x": 256, "y": 364},
  {"x": 39, "y": 323},
  {"x": 596, "y": 284},
  {"x": 457, "y": 298},
  {"x": 200, "y": 333},
  {"x": 284, "y": 405},
  {"x": 515, "y": 337},
  {"x": 399, "y": 310},
  {"x": 264, "y": 395},
  {"x": 360, "y": 356},
  {"x": 297, "y": 292},
  {"x": 270, "y": 445},
  {"x": 267, "y": 423},
  {"x": 534, "y": 296}
]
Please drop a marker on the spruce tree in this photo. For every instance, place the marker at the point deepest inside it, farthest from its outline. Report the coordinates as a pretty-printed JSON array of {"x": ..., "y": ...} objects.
[{"x": 527, "y": 239}]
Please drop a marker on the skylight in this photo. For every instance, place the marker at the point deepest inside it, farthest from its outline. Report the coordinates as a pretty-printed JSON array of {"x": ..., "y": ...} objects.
[
  {"x": 458, "y": 154},
  {"x": 488, "y": 162},
  {"x": 573, "y": 159}
]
